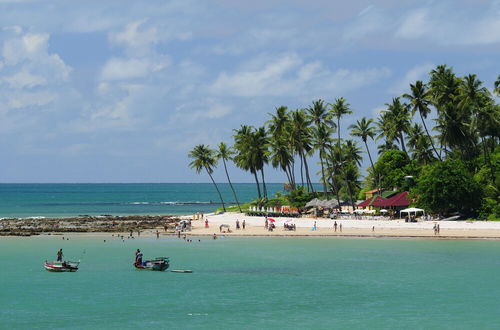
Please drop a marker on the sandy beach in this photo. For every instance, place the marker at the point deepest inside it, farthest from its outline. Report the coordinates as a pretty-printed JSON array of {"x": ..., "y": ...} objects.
[
  {"x": 254, "y": 226},
  {"x": 350, "y": 228}
]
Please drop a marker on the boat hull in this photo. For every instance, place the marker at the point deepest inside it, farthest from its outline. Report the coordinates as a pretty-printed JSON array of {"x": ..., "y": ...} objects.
[
  {"x": 61, "y": 267},
  {"x": 158, "y": 264}
]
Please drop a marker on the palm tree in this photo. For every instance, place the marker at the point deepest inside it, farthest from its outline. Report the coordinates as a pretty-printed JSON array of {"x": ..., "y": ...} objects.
[
  {"x": 203, "y": 158},
  {"x": 334, "y": 170},
  {"x": 398, "y": 116},
  {"x": 301, "y": 141},
  {"x": 339, "y": 109},
  {"x": 364, "y": 130},
  {"x": 225, "y": 154},
  {"x": 281, "y": 156},
  {"x": 351, "y": 174},
  {"x": 280, "y": 142},
  {"x": 243, "y": 158},
  {"x": 260, "y": 152},
  {"x": 419, "y": 145},
  {"x": 352, "y": 152},
  {"x": 321, "y": 142},
  {"x": 419, "y": 101},
  {"x": 318, "y": 114}
]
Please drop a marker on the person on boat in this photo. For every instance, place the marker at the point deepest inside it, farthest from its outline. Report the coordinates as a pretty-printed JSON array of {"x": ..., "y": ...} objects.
[
  {"x": 138, "y": 257},
  {"x": 60, "y": 255}
]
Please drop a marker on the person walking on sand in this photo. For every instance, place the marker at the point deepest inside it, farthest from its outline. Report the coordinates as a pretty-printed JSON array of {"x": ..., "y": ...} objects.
[
  {"x": 435, "y": 229},
  {"x": 438, "y": 229},
  {"x": 266, "y": 224},
  {"x": 340, "y": 227},
  {"x": 244, "y": 224},
  {"x": 60, "y": 255},
  {"x": 314, "y": 227},
  {"x": 335, "y": 226},
  {"x": 206, "y": 223},
  {"x": 237, "y": 224}
]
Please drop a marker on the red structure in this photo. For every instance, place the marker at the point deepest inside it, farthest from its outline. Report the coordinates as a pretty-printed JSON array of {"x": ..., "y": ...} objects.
[{"x": 399, "y": 200}]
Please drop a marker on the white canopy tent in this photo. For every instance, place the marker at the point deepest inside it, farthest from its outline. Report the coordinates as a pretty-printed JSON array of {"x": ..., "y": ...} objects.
[{"x": 411, "y": 210}]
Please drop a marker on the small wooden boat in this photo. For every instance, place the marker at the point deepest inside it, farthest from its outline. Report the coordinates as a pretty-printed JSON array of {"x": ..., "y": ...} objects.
[
  {"x": 159, "y": 264},
  {"x": 61, "y": 266}
]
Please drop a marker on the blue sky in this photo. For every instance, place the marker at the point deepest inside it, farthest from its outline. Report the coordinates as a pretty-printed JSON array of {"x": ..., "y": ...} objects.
[{"x": 120, "y": 91}]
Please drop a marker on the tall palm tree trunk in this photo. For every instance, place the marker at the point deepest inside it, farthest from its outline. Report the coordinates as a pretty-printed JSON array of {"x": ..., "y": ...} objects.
[
  {"x": 257, "y": 183},
  {"x": 217, "y": 188},
  {"x": 231, "y": 185},
  {"x": 430, "y": 137},
  {"x": 401, "y": 138},
  {"x": 336, "y": 192},
  {"x": 264, "y": 188},
  {"x": 308, "y": 178},
  {"x": 350, "y": 195},
  {"x": 285, "y": 169},
  {"x": 323, "y": 179},
  {"x": 292, "y": 175},
  {"x": 377, "y": 178},
  {"x": 301, "y": 169}
]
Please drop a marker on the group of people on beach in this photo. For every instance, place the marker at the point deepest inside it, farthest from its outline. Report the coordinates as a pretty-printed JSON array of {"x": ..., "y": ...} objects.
[
  {"x": 436, "y": 229},
  {"x": 243, "y": 224}
]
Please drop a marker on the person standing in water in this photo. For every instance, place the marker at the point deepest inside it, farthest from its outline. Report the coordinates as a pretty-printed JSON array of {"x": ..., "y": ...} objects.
[
  {"x": 60, "y": 255},
  {"x": 138, "y": 257}
]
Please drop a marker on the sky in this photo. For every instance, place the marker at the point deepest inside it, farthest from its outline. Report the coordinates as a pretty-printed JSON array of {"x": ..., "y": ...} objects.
[{"x": 120, "y": 91}]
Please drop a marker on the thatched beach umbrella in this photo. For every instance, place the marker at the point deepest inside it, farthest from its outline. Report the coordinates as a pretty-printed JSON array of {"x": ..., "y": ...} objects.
[{"x": 313, "y": 203}]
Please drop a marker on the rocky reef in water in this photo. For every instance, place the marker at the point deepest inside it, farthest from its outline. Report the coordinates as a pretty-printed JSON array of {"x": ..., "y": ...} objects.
[{"x": 84, "y": 224}]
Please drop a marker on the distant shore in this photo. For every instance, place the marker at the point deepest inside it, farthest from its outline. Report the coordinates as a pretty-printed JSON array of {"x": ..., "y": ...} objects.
[{"x": 254, "y": 227}]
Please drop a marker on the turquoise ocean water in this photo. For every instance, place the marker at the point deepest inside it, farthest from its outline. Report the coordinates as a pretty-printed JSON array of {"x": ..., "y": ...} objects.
[
  {"x": 60, "y": 200},
  {"x": 253, "y": 283}
]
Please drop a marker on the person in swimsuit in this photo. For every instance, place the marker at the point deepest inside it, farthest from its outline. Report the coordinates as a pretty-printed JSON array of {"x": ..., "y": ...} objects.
[{"x": 60, "y": 255}]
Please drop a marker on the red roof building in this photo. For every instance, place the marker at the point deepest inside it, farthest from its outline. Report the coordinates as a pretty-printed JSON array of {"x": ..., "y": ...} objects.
[
  {"x": 372, "y": 201},
  {"x": 398, "y": 200}
]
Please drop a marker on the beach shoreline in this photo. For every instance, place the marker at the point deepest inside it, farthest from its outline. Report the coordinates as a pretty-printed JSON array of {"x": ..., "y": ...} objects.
[{"x": 148, "y": 226}]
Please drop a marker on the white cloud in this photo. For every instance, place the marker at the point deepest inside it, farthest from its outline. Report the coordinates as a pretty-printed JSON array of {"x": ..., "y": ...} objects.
[
  {"x": 135, "y": 35},
  {"x": 445, "y": 23},
  {"x": 24, "y": 79},
  {"x": 288, "y": 75},
  {"x": 28, "y": 47},
  {"x": 27, "y": 99},
  {"x": 123, "y": 68},
  {"x": 418, "y": 72},
  {"x": 369, "y": 21},
  {"x": 415, "y": 25}
]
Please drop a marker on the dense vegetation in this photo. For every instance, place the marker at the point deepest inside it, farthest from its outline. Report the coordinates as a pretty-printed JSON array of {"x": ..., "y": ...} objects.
[{"x": 456, "y": 169}]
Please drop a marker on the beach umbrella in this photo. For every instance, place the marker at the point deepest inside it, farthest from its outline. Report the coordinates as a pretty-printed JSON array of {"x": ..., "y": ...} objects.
[{"x": 271, "y": 220}]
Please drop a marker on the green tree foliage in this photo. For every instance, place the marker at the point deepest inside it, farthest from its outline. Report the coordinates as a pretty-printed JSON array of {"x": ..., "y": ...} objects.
[
  {"x": 447, "y": 187},
  {"x": 393, "y": 166}
]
